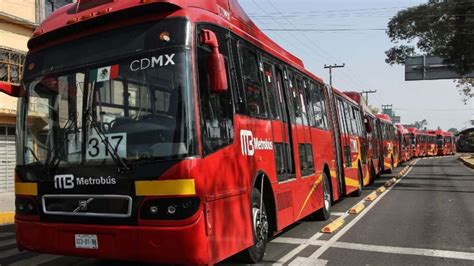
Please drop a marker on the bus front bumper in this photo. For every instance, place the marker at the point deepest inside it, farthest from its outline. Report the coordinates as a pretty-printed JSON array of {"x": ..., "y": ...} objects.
[{"x": 183, "y": 245}]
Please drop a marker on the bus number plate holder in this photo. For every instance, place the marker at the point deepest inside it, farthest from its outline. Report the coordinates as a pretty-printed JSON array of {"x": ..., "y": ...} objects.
[{"x": 86, "y": 242}]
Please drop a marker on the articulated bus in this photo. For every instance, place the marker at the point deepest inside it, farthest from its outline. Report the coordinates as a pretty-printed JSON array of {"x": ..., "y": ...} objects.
[
  {"x": 174, "y": 131},
  {"x": 390, "y": 145},
  {"x": 405, "y": 146},
  {"x": 432, "y": 143},
  {"x": 415, "y": 142},
  {"x": 423, "y": 144},
  {"x": 352, "y": 139},
  {"x": 372, "y": 137},
  {"x": 450, "y": 146}
]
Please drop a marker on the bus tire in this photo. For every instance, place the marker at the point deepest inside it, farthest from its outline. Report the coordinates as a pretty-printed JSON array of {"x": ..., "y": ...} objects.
[
  {"x": 325, "y": 212},
  {"x": 254, "y": 254},
  {"x": 358, "y": 192},
  {"x": 372, "y": 174}
]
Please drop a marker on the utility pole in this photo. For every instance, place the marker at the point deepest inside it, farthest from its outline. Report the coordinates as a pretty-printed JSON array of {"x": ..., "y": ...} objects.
[
  {"x": 330, "y": 70},
  {"x": 367, "y": 94}
]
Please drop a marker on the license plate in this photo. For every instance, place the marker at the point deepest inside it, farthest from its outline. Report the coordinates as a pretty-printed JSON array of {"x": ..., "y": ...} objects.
[{"x": 87, "y": 242}]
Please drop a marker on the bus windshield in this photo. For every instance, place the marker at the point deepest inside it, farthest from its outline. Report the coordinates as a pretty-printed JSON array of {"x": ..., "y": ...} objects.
[{"x": 132, "y": 107}]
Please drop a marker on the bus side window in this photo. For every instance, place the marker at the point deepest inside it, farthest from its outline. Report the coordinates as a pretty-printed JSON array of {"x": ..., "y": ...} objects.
[
  {"x": 319, "y": 107},
  {"x": 272, "y": 91},
  {"x": 358, "y": 120},
  {"x": 253, "y": 86},
  {"x": 217, "y": 113}
]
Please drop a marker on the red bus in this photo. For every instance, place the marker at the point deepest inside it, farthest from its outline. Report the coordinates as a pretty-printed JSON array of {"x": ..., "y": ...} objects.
[
  {"x": 444, "y": 142},
  {"x": 372, "y": 138},
  {"x": 415, "y": 139},
  {"x": 432, "y": 143},
  {"x": 405, "y": 145},
  {"x": 424, "y": 143},
  {"x": 449, "y": 143},
  {"x": 353, "y": 163},
  {"x": 390, "y": 145},
  {"x": 173, "y": 125}
]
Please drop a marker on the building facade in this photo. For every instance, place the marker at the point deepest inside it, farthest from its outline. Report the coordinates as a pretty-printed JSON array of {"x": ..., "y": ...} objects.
[{"x": 18, "y": 19}]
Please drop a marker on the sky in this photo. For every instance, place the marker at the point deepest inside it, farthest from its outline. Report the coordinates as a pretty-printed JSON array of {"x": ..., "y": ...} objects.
[{"x": 353, "y": 32}]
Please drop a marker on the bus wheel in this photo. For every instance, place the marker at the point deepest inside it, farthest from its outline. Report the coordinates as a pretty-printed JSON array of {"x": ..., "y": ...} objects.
[
  {"x": 358, "y": 192},
  {"x": 324, "y": 213},
  {"x": 255, "y": 253}
]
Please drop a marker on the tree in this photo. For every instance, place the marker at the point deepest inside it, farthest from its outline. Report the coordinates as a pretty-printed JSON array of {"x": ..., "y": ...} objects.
[
  {"x": 444, "y": 28},
  {"x": 419, "y": 124},
  {"x": 453, "y": 130},
  {"x": 374, "y": 109}
]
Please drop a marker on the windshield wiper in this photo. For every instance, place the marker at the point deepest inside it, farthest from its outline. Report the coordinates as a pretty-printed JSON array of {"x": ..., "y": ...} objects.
[
  {"x": 102, "y": 135},
  {"x": 51, "y": 163}
]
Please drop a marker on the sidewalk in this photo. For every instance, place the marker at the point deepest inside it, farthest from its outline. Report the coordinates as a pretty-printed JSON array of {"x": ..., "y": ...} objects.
[
  {"x": 468, "y": 160},
  {"x": 7, "y": 207}
]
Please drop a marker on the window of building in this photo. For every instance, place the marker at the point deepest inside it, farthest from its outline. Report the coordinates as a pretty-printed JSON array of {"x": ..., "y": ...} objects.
[
  {"x": 11, "y": 65},
  {"x": 51, "y": 5}
]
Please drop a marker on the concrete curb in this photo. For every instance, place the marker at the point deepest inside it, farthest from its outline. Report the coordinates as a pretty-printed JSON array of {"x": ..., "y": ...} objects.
[
  {"x": 466, "y": 163},
  {"x": 7, "y": 218}
]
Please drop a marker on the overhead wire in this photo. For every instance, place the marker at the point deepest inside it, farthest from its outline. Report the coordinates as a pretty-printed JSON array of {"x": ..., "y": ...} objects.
[
  {"x": 357, "y": 83},
  {"x": 311, "y": 50}
]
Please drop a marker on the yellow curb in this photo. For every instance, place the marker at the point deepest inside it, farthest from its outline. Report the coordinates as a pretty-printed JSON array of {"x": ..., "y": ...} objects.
[
  {"x": 372, "y": 196},
  {"x": 381, "y": 189},
  {"x": 393, "y": 180},
  {"x": 332, "y": 227},
  {"x": 388, "y": 183},
  {"x": 357, "y": 209},
  {"x": 7, "y": 218}
]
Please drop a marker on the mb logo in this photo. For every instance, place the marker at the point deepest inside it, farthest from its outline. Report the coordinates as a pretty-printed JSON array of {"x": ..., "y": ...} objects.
[
  {"x": 246, "y": 141},
  {"x": 64, "y": 182}
]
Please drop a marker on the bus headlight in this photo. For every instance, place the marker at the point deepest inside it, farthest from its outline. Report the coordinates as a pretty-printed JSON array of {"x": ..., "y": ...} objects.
[
  {"x": 25, "y": 206},
  {"x": 169, "y": 208}
]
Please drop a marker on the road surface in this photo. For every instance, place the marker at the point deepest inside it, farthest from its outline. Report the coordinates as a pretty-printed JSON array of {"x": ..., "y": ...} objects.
[{"x": 427, "y": 217}]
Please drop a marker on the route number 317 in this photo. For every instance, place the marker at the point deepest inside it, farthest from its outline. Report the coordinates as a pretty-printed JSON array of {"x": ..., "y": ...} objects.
[{"x": 97, "y": 148}]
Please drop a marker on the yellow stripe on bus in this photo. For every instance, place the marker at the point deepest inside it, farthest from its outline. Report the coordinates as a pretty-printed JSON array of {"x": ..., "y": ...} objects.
[
  {"x": 26, "y": 189},
  {"x": 351, "y": 182},
  {"x": 313, "y": 188},
  {"x": 180, "y": 187}
]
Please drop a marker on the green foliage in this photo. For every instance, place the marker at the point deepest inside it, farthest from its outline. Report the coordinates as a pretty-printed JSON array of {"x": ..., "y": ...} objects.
[
  {"x": 466, "y": 88},
  {"x": 441, "y": 28}
]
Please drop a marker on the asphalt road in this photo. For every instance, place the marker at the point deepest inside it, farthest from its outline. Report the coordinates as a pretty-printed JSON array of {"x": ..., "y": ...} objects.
[{"x": 427, "y": 217}]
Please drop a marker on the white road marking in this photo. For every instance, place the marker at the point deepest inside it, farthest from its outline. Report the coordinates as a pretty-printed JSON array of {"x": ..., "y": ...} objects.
[
  {"x": 298, "y": 241},
  {"x": 338, "y": 235},
  {"x": 313, "y": 239},
  {"x": 9, "y": 253},
  {"x": 289, "y": 240},
  {"x": 5, "y": 234},
  {"x": 407, "y": 251},
  {"x": 297, "y": 250},
  {"x": 302, "y": 261},
  {"x": 338, "y": 213},
  {"x": 36, "y": 260},
  {"x": 7, "y": 242}
]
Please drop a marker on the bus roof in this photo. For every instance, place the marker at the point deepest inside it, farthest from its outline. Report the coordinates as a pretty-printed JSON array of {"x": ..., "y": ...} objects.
[
  {"x": 74, "y": 17},
  {"x": 345, "y": 96},
  {"x": 401, "y": 129},
  {"x": 358, "y": 98},
  {"x": 384, "y": 117}
]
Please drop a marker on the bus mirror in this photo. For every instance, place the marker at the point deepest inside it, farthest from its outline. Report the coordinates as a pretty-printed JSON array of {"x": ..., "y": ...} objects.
[
  {"x": 216, "y": 67},
  {"x": 12, "y": 90}
]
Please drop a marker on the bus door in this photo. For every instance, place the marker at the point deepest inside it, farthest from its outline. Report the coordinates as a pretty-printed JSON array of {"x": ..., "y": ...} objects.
[
  {"x": 282, "y": 141},
  {"x": 337, "y": 136},
  {"x": 345, "y": 140}
]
